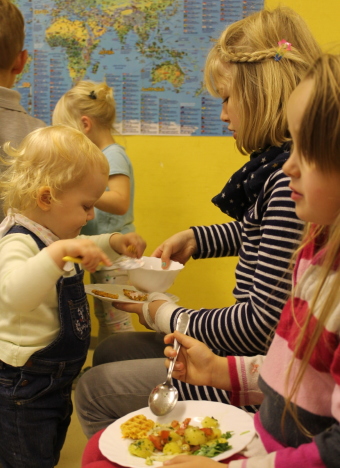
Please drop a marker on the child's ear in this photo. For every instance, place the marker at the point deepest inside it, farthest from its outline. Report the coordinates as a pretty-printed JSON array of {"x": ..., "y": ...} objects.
[
  {"x": 44, "y": 198},
  {"x": 86, "y": 124},
  {"x": 20, "y": 62}
]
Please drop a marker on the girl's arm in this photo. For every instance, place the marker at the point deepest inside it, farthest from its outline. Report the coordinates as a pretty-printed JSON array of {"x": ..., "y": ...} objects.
[
  {"x": 27, "y": 275},
  {"x": 218, "y": 240},
  {"x": 193, "y": 243},
  {"x": 263, "y": 279},
  {"x": 116, "y": 200},
  {"x": 196, "y": 364}
]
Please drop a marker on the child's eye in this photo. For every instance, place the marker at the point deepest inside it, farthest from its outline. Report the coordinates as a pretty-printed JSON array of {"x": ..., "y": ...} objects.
[
  {"x": 225, "y": 100},
  {"x": 86, "y": 208}
]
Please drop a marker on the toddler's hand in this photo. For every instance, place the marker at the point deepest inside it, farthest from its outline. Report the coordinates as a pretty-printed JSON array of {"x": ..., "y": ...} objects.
[
  {"x": 130, "y": 244},
  {"x": 89, "y": 252}
]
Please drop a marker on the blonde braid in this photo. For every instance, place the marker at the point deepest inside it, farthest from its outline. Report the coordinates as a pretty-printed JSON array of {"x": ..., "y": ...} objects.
[{"x": 249, "y": 57}]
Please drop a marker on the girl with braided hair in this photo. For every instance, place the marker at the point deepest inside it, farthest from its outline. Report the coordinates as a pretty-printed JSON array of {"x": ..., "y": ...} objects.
[
  {"x": 295, "y": 426},
  {"x": 253, "y": 68}
]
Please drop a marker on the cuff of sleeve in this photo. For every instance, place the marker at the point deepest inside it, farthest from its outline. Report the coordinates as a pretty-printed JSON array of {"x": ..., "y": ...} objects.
[
  {"x": 147, "y": 317},
  {"x": 163, "y": 316},
  {"x": 244, "y": 373},
  {"x": 197, "y": 255}
]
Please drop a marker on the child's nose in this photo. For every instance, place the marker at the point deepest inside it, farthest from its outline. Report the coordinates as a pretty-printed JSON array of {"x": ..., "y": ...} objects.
[
  {"x": 290, "y": 168},
  {"x": 224, "y": 115},
  {"x": 90, "y": 214}
]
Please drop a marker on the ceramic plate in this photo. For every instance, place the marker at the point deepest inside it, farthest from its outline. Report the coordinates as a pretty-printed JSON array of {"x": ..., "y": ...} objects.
[
  {"x": 230, "y": 418},
  {"x": 118, "y": 289}
]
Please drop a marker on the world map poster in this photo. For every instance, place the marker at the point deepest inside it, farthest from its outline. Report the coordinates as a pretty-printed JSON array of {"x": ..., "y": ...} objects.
[{"x": 151, "y": 52}]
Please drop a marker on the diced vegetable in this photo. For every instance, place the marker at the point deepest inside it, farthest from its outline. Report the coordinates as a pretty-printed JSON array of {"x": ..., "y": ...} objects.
[
  {"x": 172, "y": 448},
  {"x": 142, "y": 448},
  {"x": 209, "y": 422},
  {"x": 194, "y": 436}
]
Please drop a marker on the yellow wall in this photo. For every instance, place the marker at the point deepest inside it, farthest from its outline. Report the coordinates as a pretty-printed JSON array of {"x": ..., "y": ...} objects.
[{"x": 176, "y": 177}]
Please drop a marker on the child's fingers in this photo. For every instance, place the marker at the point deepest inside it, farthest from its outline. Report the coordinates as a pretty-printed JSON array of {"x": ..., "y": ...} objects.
[
  {"x": 169, "y": 352},
  {"x": 133, "y": 245},
  {"x": 184, "y": 340},
  {"x": 166, "y": 256},
  {"x": 169, "y": 338},
  {"x": 163, "y": 252}
]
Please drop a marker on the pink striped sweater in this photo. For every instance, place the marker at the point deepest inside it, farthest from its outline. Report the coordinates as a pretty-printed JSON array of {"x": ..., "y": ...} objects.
[{"x": 260, "y": 379}]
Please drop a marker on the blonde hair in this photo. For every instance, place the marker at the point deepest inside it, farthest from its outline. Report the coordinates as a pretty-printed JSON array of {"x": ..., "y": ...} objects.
[
  {"x": 243, "y": 58},
  {"x": 319, "y": 141},
  {"x": 12, "y": 33},
  {"x": 58, "y": 157},
  {"x": 94, "y": 100}
]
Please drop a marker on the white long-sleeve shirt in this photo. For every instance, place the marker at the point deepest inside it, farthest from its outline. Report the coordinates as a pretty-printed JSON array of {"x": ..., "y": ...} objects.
[{"x": 29, "y": 318}]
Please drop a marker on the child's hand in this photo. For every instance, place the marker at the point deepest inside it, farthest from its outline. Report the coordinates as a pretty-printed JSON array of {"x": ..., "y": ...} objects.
[
  {"x": 187, "y": 461},
  {"x": 196, "y": 364},
  {"x": 179, "y": 247},
  {"x": 130, "y": 244},
  {"x": 156, "y": 298},
  {"x": 89, "y": 252}
]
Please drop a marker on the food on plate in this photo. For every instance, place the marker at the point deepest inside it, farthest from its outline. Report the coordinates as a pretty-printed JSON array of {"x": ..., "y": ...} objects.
[
  {"x": 135, "y": 295},
  {"x": 142, "y": 448},
  {"x": 161, "y": 442},
  {"x": 104, "y": 294},
  {"x": 137, "y": 427}
]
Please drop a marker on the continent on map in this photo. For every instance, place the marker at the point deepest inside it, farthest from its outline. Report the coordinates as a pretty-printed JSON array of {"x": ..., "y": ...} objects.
[
  {"x": 79, "y": 39},
  {"x": 168, "y": 71}
]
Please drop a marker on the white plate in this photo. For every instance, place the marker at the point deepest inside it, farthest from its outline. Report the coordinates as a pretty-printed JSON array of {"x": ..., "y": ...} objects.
[
  {"x": 118, "y": 289},
  {"x": 230, "y": 418}
]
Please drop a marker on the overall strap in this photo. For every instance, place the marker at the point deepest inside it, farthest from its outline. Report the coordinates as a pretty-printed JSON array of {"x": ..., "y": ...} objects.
[{"x": 17, "y": 229}]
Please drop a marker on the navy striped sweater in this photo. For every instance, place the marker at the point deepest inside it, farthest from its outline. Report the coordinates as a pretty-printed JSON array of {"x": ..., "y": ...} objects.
[{"x": 264, "y": 241}]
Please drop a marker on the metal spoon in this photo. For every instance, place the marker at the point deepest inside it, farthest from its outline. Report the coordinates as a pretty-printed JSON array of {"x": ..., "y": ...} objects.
[{"x": 164, "y": 396}]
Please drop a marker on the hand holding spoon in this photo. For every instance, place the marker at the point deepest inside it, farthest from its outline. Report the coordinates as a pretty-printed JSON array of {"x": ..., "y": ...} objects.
[{"x": 164, "y": 396}]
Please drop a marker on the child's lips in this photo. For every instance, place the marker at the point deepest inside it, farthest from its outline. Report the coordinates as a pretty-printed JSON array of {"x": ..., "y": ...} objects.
[
  {"x": 233, "y": 132},
  {"x": 295, "y": 195}
]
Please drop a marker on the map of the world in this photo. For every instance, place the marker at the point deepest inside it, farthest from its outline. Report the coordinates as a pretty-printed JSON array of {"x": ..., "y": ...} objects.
[{"x": 151, "y": 52}]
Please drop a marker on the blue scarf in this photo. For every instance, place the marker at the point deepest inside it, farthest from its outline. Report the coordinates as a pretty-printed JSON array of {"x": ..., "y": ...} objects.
[{"x": 243, "y": 188}]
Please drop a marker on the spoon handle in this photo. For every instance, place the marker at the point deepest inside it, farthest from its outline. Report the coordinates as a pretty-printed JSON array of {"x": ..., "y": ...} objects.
[{"x": 181, "y": 326}]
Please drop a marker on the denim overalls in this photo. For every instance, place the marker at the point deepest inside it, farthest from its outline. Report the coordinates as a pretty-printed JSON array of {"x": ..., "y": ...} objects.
[{"x": 35, "y": 399}]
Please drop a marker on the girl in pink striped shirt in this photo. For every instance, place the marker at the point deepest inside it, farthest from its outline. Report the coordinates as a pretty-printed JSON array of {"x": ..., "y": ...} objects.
[{"x": 298, "y": 382}]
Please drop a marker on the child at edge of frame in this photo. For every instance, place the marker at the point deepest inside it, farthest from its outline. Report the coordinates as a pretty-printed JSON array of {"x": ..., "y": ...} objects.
[{"x": 53, "y": 180}]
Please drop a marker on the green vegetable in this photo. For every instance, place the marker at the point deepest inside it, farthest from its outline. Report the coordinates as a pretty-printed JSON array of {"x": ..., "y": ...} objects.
[
  {"x": 228, "y": 434},
  {"x": 213, "y": 449}
]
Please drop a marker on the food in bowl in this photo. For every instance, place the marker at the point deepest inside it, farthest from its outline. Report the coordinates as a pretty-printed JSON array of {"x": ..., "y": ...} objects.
[{"x": 150, "y": 277}]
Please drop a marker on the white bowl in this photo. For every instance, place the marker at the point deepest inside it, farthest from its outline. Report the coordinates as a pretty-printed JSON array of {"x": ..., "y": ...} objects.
[{"x": 151, "y": 278}]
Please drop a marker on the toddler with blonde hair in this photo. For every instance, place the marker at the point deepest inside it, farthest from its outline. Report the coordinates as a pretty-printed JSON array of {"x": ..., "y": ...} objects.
[{"x": 53, "y": 180}]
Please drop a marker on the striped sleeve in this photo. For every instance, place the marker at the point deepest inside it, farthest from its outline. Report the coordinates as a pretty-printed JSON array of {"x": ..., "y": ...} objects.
[
  {"x": 264, "y": 241},
  {"x": 219, "y": 240}
]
